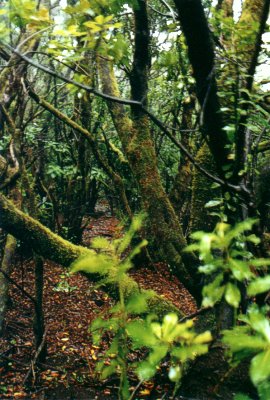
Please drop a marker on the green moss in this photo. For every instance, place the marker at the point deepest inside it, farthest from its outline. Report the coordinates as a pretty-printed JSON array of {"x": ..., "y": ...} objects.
[
  {"x": 9, "y": 251},
  {"x": 163, "y": 228},
  {"x": 40, "y": 238},
  {"x": 52, "y": 246},
  {"x": 200, "y": 218},
  {"x": 161, "y": 307}
]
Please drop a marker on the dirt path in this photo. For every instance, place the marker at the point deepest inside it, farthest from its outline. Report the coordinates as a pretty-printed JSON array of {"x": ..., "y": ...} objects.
[{"x": 70, "y": 304}]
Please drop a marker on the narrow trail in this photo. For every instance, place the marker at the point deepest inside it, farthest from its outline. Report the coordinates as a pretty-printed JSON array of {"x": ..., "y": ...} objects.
[{"x": 70, "y": 304}]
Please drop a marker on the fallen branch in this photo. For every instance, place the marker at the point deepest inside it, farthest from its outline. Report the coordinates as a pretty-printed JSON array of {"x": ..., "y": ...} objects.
[{"x": 34, "y": 361}]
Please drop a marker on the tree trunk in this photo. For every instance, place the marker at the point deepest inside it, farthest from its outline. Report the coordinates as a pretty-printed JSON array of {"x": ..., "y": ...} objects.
[
  {"x": 164, "y": 231},
  {"x": 9, "y": 251},
  {"x": 201, "y": 54},
  {"x": 38, "y": 322},
  {"x": 200, "y": 218},
  {"x": 51, "y": 246}
]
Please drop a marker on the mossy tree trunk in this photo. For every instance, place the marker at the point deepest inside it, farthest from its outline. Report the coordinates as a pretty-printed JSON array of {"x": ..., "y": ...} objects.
[
  {"x": 38, "y": 237},
  {"x": 180, "y": 194},
  {"x": 38, "y": 321},
  {"x": 202, "y": 58},
  {"x": 6, "y": 265},
  {"x": 52, "y": 247},
  {"x": 200, "y": 218},
  {"x": 164, "y": 230},
  {"x": 254, "y": 16}
]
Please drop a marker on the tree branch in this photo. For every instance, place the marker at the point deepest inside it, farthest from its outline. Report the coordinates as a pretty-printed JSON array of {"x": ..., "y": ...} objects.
[{"x": 71, "y": 81}]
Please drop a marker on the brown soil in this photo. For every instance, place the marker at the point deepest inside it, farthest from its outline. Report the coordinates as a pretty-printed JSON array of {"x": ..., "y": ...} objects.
[{"x": 71, "y": 303}]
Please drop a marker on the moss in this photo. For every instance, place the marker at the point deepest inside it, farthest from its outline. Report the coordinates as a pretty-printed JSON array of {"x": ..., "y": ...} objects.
[
  {"x": 36, "y": 235},
  {"x": 3, "y": 166},
  {"x": 246, "y": 38},
  {"x": 163, "y": 230},
  {"x": 51, "y": 246},
  {"x": 161, "y": 307},
  {"x": 266, "y": 242},
  {"x": 200, "y": 218},
  {"x": 9, "y": 251},
  {"x": 100, "y": 159}
]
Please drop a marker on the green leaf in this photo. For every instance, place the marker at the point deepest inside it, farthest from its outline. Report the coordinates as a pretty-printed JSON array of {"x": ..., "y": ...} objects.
[
  {"x": 136, "y": 224},
  {"x": 240, "y": 269},
  {"x": 238, "y": 341},
  {"x": 138, "y": 249},
  {"x": 109, "y": 370},
  {"x": 169, "y": 323},
  {"x": 141, "y": 334},
  {"x": 114, "y": 347},
  {"x": 259, "y": 285},
  {"x": 260, "y": 262},
  {"x": 137, "y": 303},
  {"x": 125, "y": 388},
  {"x": 203, "y": 337},
  {"x": 145, "y": 371},
  {"x": 213, "y": 203},
  {"x": 260, "y": 367},
  {"x": 232, "y": 295},
  {"x": 189, "y": 352},
  {"x": 264, "y": 390},
  {"x": 175, "y": 373},
  {"x": 240, "y": 396},
  {"x": 158, "y": 354},
  {"x": 215, "y": 185},
  {"x": 259, "y": 322},
  {"x": 93, "y": 263},
  {"x": 253, "y": 239},
  {"x": 241, "y": 227},
  {"x": 213, "y": 292}
]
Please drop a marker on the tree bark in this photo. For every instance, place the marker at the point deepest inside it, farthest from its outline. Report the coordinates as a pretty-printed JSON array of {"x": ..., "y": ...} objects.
[
  {"x": 200, "y": 220},
  {"x": 9, "y": 251},
  {"x": 38, "y": 237},
  {"x": 202, "y": 58},
  {"x": 51, "y": 246},
  {"x": 164, "y": 231}
]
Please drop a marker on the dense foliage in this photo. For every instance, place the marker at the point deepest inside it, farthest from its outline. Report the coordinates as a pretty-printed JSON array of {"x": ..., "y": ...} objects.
[{"x": 160, "y": 107}]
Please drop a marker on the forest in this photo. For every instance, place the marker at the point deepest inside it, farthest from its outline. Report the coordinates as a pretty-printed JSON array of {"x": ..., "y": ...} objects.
[{"x": 134, "y": 199}]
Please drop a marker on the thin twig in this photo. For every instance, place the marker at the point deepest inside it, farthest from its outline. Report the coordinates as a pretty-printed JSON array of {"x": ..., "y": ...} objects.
[
  {"x": 189, "y": 155},
  {"x": 71, "y": 81},
  {"x": 195, "y": 314},
  {"x": 18, "y": 286},
  {"x": 135, "y": 390},
  {"x": 160, "y": 13},
  {"x": 169, "y": 8},
  {"x": 34, "y": 361},
  {"x": 239, "y": 189},
  {"x": 33, "y": 35}
]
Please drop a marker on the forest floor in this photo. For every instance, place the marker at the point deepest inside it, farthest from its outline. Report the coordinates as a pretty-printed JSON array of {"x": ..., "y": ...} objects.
[{"x": 71, "y": 303}]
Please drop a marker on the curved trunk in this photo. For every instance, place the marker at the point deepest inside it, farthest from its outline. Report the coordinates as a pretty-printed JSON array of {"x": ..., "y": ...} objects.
[{"x": 164, "y": 230}]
